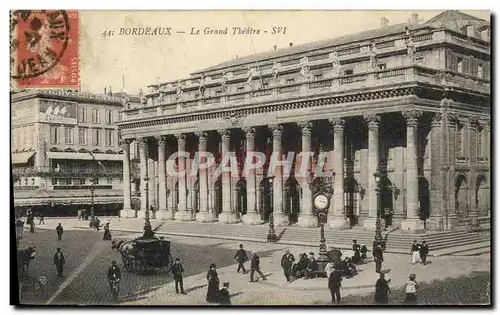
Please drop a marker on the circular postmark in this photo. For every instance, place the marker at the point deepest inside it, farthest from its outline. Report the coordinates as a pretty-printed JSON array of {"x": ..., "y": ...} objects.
[{"x": 38, "y": 40}]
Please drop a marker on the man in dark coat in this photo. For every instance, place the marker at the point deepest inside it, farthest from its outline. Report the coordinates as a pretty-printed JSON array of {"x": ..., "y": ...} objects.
[
  {"x": 41, "y": 219},
  {"x": 177, "y": 271},
  {"x": 287, "y": 264},
  {"x": 378, "y": 256},
  {"x": 255, "y": 267},
  {"x": 59, "y": 262},
  {"x": 334, "y": 284},
  {"x": 59, "y": 231},
  {"x": 241, "y": 257},
  {"x": 381, "y": 290},
  {"x": 388, "y": 213},
  {"x": 424, "y": 251},
  {"x": 224, "y": 297},
  {"x": 356, "y": 258},
  {"x": 312, "y": 267},
  {"x": 114, "y": 274}
]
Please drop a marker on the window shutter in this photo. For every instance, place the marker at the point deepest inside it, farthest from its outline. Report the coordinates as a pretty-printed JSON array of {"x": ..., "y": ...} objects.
[
  {"x": 454, "y": 63},
  {"x": 466, "y": 69},
  {"x": 52, "y": 135},
  {"x": 473, "y": 66},
  {"x": 448, "y": 57},
  {"x": 486, "y": 70}
]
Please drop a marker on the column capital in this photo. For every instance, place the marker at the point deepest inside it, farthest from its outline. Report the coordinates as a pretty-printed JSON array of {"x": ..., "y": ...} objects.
[
  {"x": 162, "y": 140},
  {"x": 372, "y": 120},
  {"x": 411, "y": 116},
  {"x": 473, "y": 121},
  {"x": 276, "y": 129},
  {"x": 249, "y": 131},
  {"x": 436, "y": 120},
  {"x": 125, "y": 143},
  {"x": 143, "y": 142},
  {"x": 452, "y": 118},
  {"x": 181, "y": 138},
  {"x": 484, "y": 123},
  {"x": 305, "y": 127},
  {"x": 202, "y": 135},
  {"x": 337, "y": 123}
]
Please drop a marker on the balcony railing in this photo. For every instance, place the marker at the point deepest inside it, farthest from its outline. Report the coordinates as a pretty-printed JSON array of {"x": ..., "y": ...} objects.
[
  {"x": 70, "y": 187},
  {"x": 47, "y": 171}
]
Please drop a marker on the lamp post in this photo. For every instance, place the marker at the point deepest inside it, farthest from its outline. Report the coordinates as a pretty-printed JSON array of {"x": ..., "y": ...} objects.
[
  {"x": 92, "y": 188},
  {"x": 322, "y": 257},
  {"x": 147, "y": 223},
  {"x": 378, "y": 240},
  {"x": 271, "y": 233}
]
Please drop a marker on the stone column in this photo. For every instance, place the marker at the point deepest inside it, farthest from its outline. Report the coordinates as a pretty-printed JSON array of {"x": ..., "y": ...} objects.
[
  {"x": 373, "y": 163},
  {"x": 151, "y": 183},
  {"x": 280, "y": 218},
  {"x": 182, "y": 214},
  {"x": 473, "y": 124},
  {"x": 203, "y": 215},
  {"x": 162, "y": 213},
  {"x": 307, "y": 218},
  {"x": 143, "y": 160},
  {"x": 436, "y": 189},
  {"x": 127, "y": 211},
  {"x": 252, "y": 217},
  {"x": 227, "y": 215},
  {"x": 412, "y": 221},
  {"x": 450, "y": 142},
  {"x": 337, "y": 218}
]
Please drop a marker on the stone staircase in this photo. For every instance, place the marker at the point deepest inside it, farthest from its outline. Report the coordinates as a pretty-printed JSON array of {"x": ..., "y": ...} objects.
[{"x": 460, "y": 242}]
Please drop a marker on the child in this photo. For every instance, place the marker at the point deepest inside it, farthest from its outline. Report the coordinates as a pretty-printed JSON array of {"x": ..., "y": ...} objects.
[
  {"x": 411, "y": 290},
  {"x": 224, "y": 298}
]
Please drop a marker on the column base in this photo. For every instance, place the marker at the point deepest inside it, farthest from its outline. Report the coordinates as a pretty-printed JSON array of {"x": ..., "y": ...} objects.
[
  {"x": 308, "y": 221},
  {"x": 163, "y": 215},
  {"x": 141, "y": 214},
  {"x": 412, "y": 226},
  {"x": 370, "y": 224},
  {"x": 204, "y": 217},
  {"x": 435, "y": 224},
  {"x": 127, "y": 213},
  {"x": 280, "y": 219},
  {"x": 252, "y": 219},
  {"x": 452, "y": 223},
  {"x": 183, "y": 216},
  {"x": 171, "y": 211},
  {"x": 227, "y": 217},
  {"x": 339, "y": 223}
]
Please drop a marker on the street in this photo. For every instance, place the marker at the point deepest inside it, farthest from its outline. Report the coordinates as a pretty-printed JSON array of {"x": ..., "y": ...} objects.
[{"x": 446, "y": 280}]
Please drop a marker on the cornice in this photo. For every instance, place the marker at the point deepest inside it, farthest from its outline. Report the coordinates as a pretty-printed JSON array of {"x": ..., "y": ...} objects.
[{"x": 68, "y": 96}]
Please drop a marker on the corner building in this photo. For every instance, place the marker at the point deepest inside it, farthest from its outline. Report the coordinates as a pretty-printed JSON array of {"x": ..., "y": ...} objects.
[{"x": 411, "y": 101}]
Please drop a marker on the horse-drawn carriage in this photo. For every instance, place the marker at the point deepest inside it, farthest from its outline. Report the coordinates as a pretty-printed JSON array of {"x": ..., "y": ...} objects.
[{"x": 145, "y": 255}]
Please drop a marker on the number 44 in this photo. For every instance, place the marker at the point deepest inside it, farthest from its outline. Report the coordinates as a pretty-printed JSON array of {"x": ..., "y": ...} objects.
[{"x": 107, "y": 33}]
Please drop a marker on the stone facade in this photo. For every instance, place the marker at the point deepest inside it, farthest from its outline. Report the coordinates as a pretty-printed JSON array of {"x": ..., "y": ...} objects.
[{"x": 407, "y": 104}]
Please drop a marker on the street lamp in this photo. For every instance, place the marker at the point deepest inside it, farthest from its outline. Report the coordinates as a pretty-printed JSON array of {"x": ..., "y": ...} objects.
[
  {"x": 322, "y": 257},
  {"x": 147, "y": 223},
  {"x": 271, "y": 233},
  {"x": 378, "y": 240},
  {"x": 92, "y": 188}
]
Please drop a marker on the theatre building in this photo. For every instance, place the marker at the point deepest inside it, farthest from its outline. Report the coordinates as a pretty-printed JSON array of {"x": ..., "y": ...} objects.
[
  {"x": 409, "y": 103},
  {"x": 65, "y": 154}
]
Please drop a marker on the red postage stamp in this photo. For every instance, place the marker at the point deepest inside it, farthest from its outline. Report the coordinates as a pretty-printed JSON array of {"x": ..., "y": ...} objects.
[{"x": 45, "y": 49}]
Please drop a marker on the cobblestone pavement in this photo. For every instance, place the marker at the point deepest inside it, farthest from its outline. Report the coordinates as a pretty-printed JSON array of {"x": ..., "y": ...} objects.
[{"x": 446, "y": 280}]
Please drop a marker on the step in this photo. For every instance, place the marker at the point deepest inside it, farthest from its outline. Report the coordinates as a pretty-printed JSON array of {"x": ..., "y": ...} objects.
[
  {"x": 474, "y": 252},
  {"x": 464, "y": 248}
]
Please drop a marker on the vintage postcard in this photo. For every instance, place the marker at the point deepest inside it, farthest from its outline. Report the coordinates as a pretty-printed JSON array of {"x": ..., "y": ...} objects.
[{"x": 251, "y": 157}]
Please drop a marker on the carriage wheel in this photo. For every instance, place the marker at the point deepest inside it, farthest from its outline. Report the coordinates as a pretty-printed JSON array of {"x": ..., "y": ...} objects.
[
  {"x": 128, "y": 263},
  {"x": 140, "y": 267}
]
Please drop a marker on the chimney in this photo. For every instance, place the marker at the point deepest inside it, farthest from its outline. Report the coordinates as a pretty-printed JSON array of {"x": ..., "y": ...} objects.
[
  {"x": 275, "y": 47},
  {"x": 384, "y": 22},
  {"x": 414, "y": 18},
  {"x": 105, "y": 91},
  {"x": 291, "y": 44}
]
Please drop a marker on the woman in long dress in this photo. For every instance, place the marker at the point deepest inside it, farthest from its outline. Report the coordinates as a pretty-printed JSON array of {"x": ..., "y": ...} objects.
[
  {"x": 382, "y": 290},
  {"x": 415, "y": 252},
  {"x": 213, "y": 284}
]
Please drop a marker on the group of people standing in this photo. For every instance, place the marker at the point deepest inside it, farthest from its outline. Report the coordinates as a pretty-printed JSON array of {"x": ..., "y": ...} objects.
[{"x": 419, "y": 252}]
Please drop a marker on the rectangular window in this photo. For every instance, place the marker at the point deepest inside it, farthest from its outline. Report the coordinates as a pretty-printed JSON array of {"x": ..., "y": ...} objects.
[
  {"x": 480, "y": 70},
  {"x": 96, "y": 181},
  {"x": 241, "y": 89},
  {"x": 67, "y": 181},
  {"x": 82, "y": 114},
  {"x": 96, "y": 137},
  {"x": 460, "y": 65},
  {"x": 108, "y": 138},
  {"x": 82, "y": 136},
  {"x": 479, "y": 144},
  {"x": 290, "y": 81},
  {"x": 68, "y": 135},
  {"x": 81, "y": 181},
  {"x": 109, "y": 117},
  {"x": 317, "y": 77},
  {"x": 55, "y": 137},
  {"x": 95, "y": 115},
  {"x": 265, "y": 85},
  {"x": 110, "y": 181},
  {"x": 348, "y": 72},
  {"x": 382, "y": 66}
]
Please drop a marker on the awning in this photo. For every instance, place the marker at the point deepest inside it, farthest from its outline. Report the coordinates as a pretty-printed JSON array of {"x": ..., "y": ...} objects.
[
  {"x": 22, "y": 157},
  {"x": 67, "y": 201},
  {"x": 84, "y": 156}
]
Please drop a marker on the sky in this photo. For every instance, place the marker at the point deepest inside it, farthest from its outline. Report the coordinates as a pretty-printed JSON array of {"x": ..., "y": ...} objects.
[{"x": 131, "y": 62}]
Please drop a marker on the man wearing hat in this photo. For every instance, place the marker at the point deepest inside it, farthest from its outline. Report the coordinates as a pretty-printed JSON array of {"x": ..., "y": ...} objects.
[
  {"x": 255, "y": 266},
  {"x": 378, "y": 256},
  {"x": 334, "y": 284},
  {"x": 177, "y": 271},
  {"x": 59, "y": 261},
  {"x": 241, "y": 257},
  {"x": 287, "y": 264},
  {"x": 356, "y": 258},
  {"x": 114, "y": 273},
  {"x": 311, "y": 267},
  {"x": 224, "y": 297}
]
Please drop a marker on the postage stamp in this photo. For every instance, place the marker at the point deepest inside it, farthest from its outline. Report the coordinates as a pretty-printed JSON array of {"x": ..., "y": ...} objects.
[{"x": 44, "y": 49}]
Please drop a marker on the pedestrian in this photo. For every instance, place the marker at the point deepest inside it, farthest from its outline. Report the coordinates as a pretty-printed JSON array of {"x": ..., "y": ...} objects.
[
  {"x": 177, "y": 271},
  {"x": 59, "y": 262},
  {"x": 424, "y": 251},
  {"x": 378, "y": 256},
  {"x": 415, "y": 251},
  {"x": 224, "y": 297},
  {"x": 356, "y": 258},
  {"x": 213, "y": 284},
  {"x": 382, "y": 290},
  {"x": 107, "y": 233},
  {"x": 114, "y": 274},
  {"x": 59, "y": 231},
  {"x": 41, "y": 219},
  {"x": 363, "y": 251},
  {"x": 329, "y": 268},
  {"x": 312, "y": 266},
  {"x": 411, "y": 290},
  {"x": 97, "y": 224},
  {"x": 241, "y": 257},
  {"x": 287, "y": 264},
  {"x": 334, "y": 285},
  {"x": 255, "y": 267}
]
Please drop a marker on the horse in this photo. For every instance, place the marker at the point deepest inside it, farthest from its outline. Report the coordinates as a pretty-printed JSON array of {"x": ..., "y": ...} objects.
[
  {"x": 123, "y": 246},
  {"x": 24, "y": 256}
]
